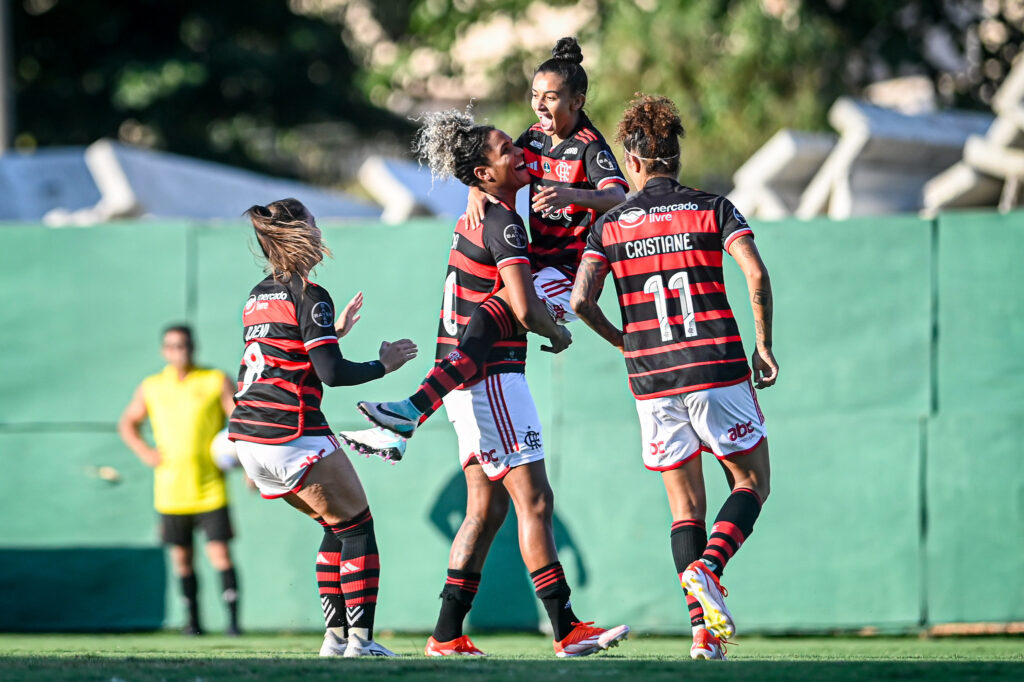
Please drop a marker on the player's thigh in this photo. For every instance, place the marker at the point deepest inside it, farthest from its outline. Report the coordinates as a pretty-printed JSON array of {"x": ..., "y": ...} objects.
[
  {"x": 668, "y": 439},
  {"x": 332, "y": 488},
  {"x": 750, "y": 469},
  {"x": 530, "y": 490},
  {"x": 685, "y": 488},
  {"x": 485, "y": 500}
]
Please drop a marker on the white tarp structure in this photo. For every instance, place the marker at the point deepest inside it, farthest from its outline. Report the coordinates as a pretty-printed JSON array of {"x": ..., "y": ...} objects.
[
  {"x": 405, "y": 189},
  {"x": 107, "y": 180},
  {"x": 992, "y": 168}
]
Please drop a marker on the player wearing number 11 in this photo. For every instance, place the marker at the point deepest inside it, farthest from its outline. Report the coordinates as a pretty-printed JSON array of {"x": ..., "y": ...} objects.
[{"x": 683, "y": 352}]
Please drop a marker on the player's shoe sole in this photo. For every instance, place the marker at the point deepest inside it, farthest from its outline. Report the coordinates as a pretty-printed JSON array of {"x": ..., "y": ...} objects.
[
  {"x": 460, "y": 646},
  {"x": 358, "y": 647},
  {"x": 703, "y": 586},
  {"x": 377, "y": 442},
  {"x": 387, "y": 416}
]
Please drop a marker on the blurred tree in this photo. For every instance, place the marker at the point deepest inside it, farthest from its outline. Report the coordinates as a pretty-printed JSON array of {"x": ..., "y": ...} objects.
[
  {"x": 247, "y": 83},
  {"x": 739, "y": 69}
]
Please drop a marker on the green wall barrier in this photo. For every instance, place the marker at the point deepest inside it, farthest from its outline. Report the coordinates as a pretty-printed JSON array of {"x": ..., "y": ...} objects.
[{"x": 868, "y": 477}]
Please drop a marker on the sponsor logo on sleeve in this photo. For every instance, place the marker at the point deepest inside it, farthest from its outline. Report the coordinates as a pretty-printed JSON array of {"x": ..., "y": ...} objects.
[
  {"x": 738, "y": 216},
  {"x": 632, "y": 217},
  {"x": 605, "y": 160},
  {"x": 536, "y": 144},
  {"x": 323, "y": 315},
  {"x": 515, "y": 236}
]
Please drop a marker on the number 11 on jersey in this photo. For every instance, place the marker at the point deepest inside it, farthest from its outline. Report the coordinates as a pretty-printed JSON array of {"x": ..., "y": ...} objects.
[{"x": 681, "y": 283}]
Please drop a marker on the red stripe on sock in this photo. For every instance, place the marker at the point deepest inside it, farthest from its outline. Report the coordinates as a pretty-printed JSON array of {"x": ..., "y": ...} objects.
[
  {"x": 730, "y": 529},
  {"x": 714, "y": 552},
  {"x": 688, "y": 522},
  {"x": 361, "y": 563},
  {"x": 752, "y": 493}
]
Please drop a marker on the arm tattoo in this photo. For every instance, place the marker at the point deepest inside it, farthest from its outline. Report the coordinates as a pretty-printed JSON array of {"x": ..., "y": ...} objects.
[{"x": 589, "y": 283}]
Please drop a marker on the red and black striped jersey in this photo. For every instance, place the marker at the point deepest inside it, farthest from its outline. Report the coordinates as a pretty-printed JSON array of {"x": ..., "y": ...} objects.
[
  {"x": 582, "y": 161},
  {"x": 665, "y": 245},
  {"x": 279, "y": 393},
  {"x": 474, "y": 262}
]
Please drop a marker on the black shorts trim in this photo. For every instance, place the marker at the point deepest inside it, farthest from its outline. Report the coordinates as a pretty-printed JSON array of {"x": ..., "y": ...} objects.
[{"x": 178, "y": 529}]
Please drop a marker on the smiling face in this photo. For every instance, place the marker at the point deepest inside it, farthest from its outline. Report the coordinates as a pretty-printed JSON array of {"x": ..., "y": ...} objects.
[
  {"x": 507, "y": 167},
  {"x": 557, "y": 109}
]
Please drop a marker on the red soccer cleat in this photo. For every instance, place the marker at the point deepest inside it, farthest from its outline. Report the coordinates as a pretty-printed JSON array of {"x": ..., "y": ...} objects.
[
  {"x": 585, "y": 640},
  {"x": 707, "y": 647},
  {"x": 460, "y": 646}
]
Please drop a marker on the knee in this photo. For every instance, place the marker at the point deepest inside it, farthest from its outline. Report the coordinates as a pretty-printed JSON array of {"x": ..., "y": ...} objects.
[{"x": 541, "y": 503}]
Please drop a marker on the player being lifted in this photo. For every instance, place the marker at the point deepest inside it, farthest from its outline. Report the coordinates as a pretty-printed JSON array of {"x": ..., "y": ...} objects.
[
  {"x": 499, "y": 433},
  {"x": 284, "y": 442},
  {"x": 683, "y": 351},
  {"x": 574, "y": 178}
]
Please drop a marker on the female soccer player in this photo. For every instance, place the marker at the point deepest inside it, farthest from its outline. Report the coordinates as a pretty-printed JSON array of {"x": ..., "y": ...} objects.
[
  {"x": 683, "y": 351},
  {"x": 284, "y": 442},
  {"x": 499, "y": 432},
  {"x": 574, "y": 178}
]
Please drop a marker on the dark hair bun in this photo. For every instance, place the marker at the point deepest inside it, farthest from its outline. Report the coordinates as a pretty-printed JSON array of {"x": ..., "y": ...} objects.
[{"x": 567, "y": 49}]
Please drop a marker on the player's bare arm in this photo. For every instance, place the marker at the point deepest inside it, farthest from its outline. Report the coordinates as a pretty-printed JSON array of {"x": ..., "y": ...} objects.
[
  {"x": 528, "y": 309},
  {"x": 601, "y": 200},
  {"x": 585, "y": 292},
  {"x": 765, "y": 367},
  {"x": 227, "y": 397},
  {"x": 128, "y": 428}
]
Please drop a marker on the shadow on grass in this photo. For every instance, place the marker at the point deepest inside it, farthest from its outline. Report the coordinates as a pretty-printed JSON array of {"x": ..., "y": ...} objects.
[{"x": 132, "y": 669}]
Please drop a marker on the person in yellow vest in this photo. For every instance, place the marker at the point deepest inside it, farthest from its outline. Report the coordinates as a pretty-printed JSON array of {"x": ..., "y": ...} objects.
[{"x": 186, "y": 406}]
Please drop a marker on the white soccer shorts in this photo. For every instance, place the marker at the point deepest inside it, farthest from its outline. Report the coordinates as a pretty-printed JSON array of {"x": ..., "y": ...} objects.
[
  {"x": 554, "y": 290},
  {"x": 496, "y": 423},
  {"x": 279, "y": 469},
  {"x": 725, "y": 420}
]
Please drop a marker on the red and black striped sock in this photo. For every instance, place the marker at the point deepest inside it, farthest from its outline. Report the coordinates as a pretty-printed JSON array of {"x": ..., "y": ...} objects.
[
  {"x": 328, "y": 580},
  {"x": 359, "y": 571},
  {"x": 491, "y": 321},
  {"x": 734, "y": 524},
  {"x": 553, "y": 591},
  {"x": 456, "y": 600},
  {"x": 689, "y": 538}
]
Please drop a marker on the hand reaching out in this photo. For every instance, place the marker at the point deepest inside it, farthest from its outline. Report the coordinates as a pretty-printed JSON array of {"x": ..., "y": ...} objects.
[
  {"x": 396, "y": 353},
  {"x": 349, "y": 315}
]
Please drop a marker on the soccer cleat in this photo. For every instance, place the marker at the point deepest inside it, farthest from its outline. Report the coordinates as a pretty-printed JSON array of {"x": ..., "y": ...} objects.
[
  {"x": 584, "y": 640},
  {"x": 357, "y": 646},
  {"x": 333, "y": 645},
  {"x": 707, "y": 647},
  {"x": 703, "y": 585},
  {"x": 376, "y": 441},
  {"x": 460, "y": 646},
  {"x": 401, "y": 418}
]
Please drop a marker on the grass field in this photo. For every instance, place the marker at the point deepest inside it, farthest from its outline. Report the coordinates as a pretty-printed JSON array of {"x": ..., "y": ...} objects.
[{"x": 291, "y": 658}]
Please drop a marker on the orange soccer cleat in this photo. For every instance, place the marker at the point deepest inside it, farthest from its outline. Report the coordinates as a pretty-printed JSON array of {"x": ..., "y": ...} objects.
[
  {"x": 584, "y": 640},
  {"x": 460, "y": 646},
  {"x": 706, "y": 646}
]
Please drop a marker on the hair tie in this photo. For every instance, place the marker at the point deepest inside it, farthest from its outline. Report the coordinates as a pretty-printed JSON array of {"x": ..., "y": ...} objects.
[{"x": 656, "y": 158}]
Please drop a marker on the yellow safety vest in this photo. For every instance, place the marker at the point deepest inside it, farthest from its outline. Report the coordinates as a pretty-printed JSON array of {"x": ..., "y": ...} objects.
[{"x": 185, "y": 415}]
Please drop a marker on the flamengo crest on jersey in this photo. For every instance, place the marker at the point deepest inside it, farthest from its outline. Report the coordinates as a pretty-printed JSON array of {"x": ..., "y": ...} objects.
[
  {"x": 473, "y": 276},
  {"x": 665, "y": 248},
  {"x": 279, "y": 393},
  {"x": 582, "y": 161}
]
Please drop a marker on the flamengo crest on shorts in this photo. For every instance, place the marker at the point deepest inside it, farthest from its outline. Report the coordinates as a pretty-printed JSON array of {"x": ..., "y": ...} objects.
[
  {"x": 582, "y": 161},
  {"x": 665, "y": 247},
  {"x": 474, "y": 262},
  {"x": 279, "y": 393}
]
